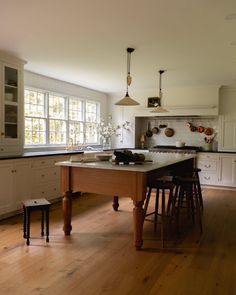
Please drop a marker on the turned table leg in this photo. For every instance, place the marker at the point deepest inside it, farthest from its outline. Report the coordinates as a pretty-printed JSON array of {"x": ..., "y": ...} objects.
[
  {"x": 67, "y": 210},
  {"x": 138, "y": 213},
  {"x": 115, "y": 204}
]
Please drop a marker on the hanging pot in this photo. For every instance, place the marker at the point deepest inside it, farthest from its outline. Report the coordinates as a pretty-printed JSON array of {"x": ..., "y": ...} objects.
[
  {"x": 155, "y": 130},
  {"x": 208, "y": 131},
  {"x": 193, "y": 128},
  {"x": 200, "y": 129},
  {"x": 169, "y": 132},
  {"x": 149, "y": 131}
]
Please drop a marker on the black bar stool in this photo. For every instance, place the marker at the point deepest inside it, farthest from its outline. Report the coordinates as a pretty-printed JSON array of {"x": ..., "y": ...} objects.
[
  {"x": 187, "y": 190},
  {"x": 35, "y": 205},
  {"x": 160, "y": 184}
]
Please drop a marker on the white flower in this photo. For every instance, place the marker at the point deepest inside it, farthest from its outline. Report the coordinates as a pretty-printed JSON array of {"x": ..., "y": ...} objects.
[{"x": 106, "y": 131}]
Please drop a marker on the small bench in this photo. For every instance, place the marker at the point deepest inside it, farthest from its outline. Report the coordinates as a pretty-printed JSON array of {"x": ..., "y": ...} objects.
[{"x": 35, "y": 205}]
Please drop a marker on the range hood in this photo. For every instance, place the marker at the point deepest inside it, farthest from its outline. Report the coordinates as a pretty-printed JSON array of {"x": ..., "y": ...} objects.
[{"x": 180, "y": 111}]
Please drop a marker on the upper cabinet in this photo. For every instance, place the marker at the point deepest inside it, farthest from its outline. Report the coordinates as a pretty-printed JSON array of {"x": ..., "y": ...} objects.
[
  {"x": 227, "y": 119},
  {"x": 11, "y": 104}
]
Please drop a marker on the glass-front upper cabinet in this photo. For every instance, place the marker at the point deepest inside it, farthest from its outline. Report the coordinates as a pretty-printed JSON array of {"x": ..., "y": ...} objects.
[{"x": 11, "y": 102}]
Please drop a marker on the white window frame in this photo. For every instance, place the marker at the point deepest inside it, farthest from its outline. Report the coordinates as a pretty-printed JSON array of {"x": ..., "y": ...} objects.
[{"x": 67, "y": 120}]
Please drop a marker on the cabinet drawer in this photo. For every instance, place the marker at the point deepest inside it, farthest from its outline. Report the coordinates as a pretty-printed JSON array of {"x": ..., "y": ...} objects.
[
  {"x": 208, "y": 178},
  {"x": 44, "y": 162},
  {"x": 209, "y": 165},
  {"x": 49, "y": 191},
  {"x": 46, "y": 174}
]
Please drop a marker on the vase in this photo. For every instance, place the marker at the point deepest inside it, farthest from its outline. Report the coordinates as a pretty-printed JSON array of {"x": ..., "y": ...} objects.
[{"x": 106, "y": 144}]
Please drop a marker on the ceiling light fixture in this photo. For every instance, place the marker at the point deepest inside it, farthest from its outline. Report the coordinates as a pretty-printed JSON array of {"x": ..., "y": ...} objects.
[
  {"x": 159, "y": 108},
  {"x": 127, "y": 100}
]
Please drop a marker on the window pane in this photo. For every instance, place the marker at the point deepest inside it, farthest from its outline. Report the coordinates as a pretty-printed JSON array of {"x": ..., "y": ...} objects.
[
  {"x": 57, "y": 132},
  {"x": 57, "y": 107},
  {"x": 91, "y": 133},
  {"x": 35, "y": 131},
  {"x": 34, "y": 103},
  {"x": 75, "y": 109},
  {"x": 91, "y": 112},
  {"x": 76, "y": 132}
]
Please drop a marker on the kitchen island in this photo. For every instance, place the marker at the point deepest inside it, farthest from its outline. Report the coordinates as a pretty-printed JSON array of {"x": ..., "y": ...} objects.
[{"x": 106, "y": 178}]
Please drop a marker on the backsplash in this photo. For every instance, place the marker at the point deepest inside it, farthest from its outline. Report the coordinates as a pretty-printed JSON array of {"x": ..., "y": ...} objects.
[{"x": 181, "y": 131}]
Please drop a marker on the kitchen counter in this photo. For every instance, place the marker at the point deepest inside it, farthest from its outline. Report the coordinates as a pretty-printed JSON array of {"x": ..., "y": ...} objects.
[{"x": 158, "y": 161}]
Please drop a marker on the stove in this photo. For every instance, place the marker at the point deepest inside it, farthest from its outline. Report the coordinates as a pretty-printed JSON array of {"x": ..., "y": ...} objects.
[{"x": 173, "y": 149}]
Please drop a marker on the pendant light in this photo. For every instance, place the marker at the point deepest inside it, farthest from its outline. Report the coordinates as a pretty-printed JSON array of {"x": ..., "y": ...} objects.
[
  {"x": 127, "y": 100},
  {"x": 159, "y": 108}
]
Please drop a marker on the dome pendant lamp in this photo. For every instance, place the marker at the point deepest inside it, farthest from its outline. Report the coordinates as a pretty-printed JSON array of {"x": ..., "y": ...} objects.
[
  {"x": 159, "y": 108},
  {"x": 127, "y": 100}
]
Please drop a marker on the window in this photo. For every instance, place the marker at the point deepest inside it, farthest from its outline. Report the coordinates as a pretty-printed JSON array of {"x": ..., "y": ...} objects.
[{"x": 53, "y": 119}]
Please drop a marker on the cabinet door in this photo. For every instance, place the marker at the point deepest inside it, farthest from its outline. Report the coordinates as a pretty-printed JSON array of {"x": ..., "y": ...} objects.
[
  {"x": 227, "y": 170},
  {"x": 11, "y": 103},
  {"x": 7, "y": 191},
  {"x": 23, "y": 181},
  {"x": 227, "y": 140}
]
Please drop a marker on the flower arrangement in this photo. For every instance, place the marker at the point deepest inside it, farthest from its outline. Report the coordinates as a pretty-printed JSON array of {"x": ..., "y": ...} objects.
[{"x": 106, "y": 131}]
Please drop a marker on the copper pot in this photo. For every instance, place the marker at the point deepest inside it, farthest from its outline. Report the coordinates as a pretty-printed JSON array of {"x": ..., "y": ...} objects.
[
  {"x": 208, "y": 131},
  {"x": 200, "y": 129}
]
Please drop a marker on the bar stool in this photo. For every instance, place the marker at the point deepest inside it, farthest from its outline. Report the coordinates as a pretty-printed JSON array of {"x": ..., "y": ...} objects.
[
  {"x": 160, "y": 184},
  {"x": 35, "y": 205},
  {"x": 187, "y": 190}
]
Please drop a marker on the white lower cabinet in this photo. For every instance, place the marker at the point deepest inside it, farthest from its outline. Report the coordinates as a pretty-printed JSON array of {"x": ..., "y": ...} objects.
[
  {"x": 7, "y": 184},
  {"x": 46, "y": 177},
  {"x": 227, "y": 170},
  {"x": 28, "y": 178},
  {"x": 217, "y": 169},
  {"x": 23, "y": 183}
]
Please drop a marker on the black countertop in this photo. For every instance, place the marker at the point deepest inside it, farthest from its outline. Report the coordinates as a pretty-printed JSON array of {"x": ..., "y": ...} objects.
[{"x": 65, "y": 152}]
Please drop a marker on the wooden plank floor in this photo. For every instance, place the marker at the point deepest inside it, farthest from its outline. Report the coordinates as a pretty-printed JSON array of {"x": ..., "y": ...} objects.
[{"x": 99, "y": 257}]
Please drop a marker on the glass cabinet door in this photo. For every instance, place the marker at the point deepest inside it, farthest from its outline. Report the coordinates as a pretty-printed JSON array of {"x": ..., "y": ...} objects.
[{"x": 10, "y": 102}]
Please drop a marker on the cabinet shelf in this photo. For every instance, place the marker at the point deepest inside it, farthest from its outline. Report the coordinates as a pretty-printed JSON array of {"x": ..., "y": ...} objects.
[{"x": 11, "y": 86}]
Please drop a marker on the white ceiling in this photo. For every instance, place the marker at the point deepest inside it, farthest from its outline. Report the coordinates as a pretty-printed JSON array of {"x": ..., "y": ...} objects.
[{"x": 85, "y": 41}]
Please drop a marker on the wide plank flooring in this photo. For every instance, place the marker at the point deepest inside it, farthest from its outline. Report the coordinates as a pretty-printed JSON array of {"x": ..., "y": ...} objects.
[{"x": 99, "y": 256}]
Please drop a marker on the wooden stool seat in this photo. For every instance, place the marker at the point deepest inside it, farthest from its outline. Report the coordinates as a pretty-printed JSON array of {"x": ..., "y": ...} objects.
[{"x": 35, "y": 205}]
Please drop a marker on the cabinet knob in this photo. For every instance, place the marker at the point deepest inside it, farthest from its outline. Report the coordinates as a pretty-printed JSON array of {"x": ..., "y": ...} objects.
[{"x": 2, "y": 133}]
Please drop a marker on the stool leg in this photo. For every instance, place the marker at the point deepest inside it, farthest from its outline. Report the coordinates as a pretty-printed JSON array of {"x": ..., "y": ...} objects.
[
  {"x": 28, "y": 227},
  {"x": 198, "y": 208},
  {"x": 199, "y": 190},
  {"x": 163, "y": 205},
  {"x": 47, "y": 225},
  {"x": 147, "y": 201},
  {"x": 171, "y": 202},
  {"x": 24, "y": 222},
  {"x": 156, "y": 209},
  {"x": 42, "y": 223}
]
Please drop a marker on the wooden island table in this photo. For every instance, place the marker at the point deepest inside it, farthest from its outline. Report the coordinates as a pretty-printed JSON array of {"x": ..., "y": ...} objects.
[{"x": 103, "y": 177}]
